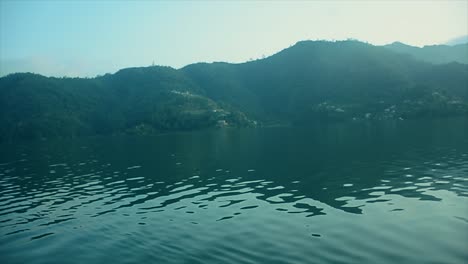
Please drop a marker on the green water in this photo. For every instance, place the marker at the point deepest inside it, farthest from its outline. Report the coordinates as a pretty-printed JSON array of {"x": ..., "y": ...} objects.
[{"x": 393, "y": 192}]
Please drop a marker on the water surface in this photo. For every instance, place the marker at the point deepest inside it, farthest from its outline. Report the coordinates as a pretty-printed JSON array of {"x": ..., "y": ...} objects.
[{"x": 394, "y": 192}]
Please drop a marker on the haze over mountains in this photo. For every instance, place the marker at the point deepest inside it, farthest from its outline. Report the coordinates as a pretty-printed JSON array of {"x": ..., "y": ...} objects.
[
  {"x": 457, "y": 41},
  {"x": 312, "y": 81},
  {"x": 438, "y": 54}
]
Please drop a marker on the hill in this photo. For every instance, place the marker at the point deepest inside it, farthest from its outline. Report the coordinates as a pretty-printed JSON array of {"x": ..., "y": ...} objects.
[
  {"x": 335, "y": 81},
  {"x": 312, "y": 81},
  {"x": 438, "y": 54}
]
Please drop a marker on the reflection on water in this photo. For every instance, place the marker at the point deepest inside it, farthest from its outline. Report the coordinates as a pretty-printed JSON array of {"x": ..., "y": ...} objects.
[{"x": 349, "y": 193}]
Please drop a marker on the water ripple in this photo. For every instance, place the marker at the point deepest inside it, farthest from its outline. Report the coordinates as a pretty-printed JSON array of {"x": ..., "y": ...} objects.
[{"x": 190, "y": 208}]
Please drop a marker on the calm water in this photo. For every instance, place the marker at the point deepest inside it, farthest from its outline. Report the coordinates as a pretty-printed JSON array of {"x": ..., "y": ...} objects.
[{"x": 392, "y": 192}]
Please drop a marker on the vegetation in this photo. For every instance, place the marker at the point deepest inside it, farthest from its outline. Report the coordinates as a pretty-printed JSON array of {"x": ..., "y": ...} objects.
[{"x": 308, "y": 82}]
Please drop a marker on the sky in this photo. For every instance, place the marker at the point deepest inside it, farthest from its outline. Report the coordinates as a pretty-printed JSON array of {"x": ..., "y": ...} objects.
[{"x": 89, "y": 38}]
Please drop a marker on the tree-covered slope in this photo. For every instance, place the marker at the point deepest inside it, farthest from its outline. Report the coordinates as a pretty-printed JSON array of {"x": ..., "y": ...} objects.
[
  {"x": 308, "y": 82},
  {"x": 137, "y": 100},
  {"x": 312, "y": 79}
]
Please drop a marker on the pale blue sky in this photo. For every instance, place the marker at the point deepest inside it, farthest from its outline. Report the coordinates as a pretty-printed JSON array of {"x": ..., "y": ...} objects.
[{"x": 86, "y": 38}]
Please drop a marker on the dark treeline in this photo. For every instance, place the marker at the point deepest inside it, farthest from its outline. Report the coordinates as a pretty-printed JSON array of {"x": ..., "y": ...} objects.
[{"x": 308, "y": 82}]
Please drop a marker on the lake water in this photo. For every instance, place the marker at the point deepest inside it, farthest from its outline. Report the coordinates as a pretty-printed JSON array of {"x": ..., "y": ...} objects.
[{"x": 394, "y": 192}]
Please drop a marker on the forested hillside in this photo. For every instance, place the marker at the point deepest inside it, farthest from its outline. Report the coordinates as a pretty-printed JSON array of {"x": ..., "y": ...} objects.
[{"x": 312, "y": 81}]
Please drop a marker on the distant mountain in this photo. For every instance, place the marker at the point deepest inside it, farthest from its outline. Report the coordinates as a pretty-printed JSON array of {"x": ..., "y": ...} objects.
[
  {"x": 434, "y": 54},
  {"x": 310, "y": 82},
  {"x": 311, "y": 77},
  {"x": 457, "y": 41}
]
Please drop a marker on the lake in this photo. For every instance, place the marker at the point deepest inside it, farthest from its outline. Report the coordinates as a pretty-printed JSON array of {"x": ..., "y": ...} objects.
[{"x": 377, "y": 192}]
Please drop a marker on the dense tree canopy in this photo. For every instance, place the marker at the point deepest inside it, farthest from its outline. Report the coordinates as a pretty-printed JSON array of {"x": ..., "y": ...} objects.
[{"x": 308, "y": 82}]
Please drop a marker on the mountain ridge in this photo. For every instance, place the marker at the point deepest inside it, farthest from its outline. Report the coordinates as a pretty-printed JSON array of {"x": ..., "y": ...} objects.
[
  {"x": 436, "y": 54},
  {"x": 311, "y": 81}
]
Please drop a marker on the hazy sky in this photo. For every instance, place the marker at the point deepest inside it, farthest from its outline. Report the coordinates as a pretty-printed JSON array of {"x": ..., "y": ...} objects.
[{"x": 86, "y": 38}]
